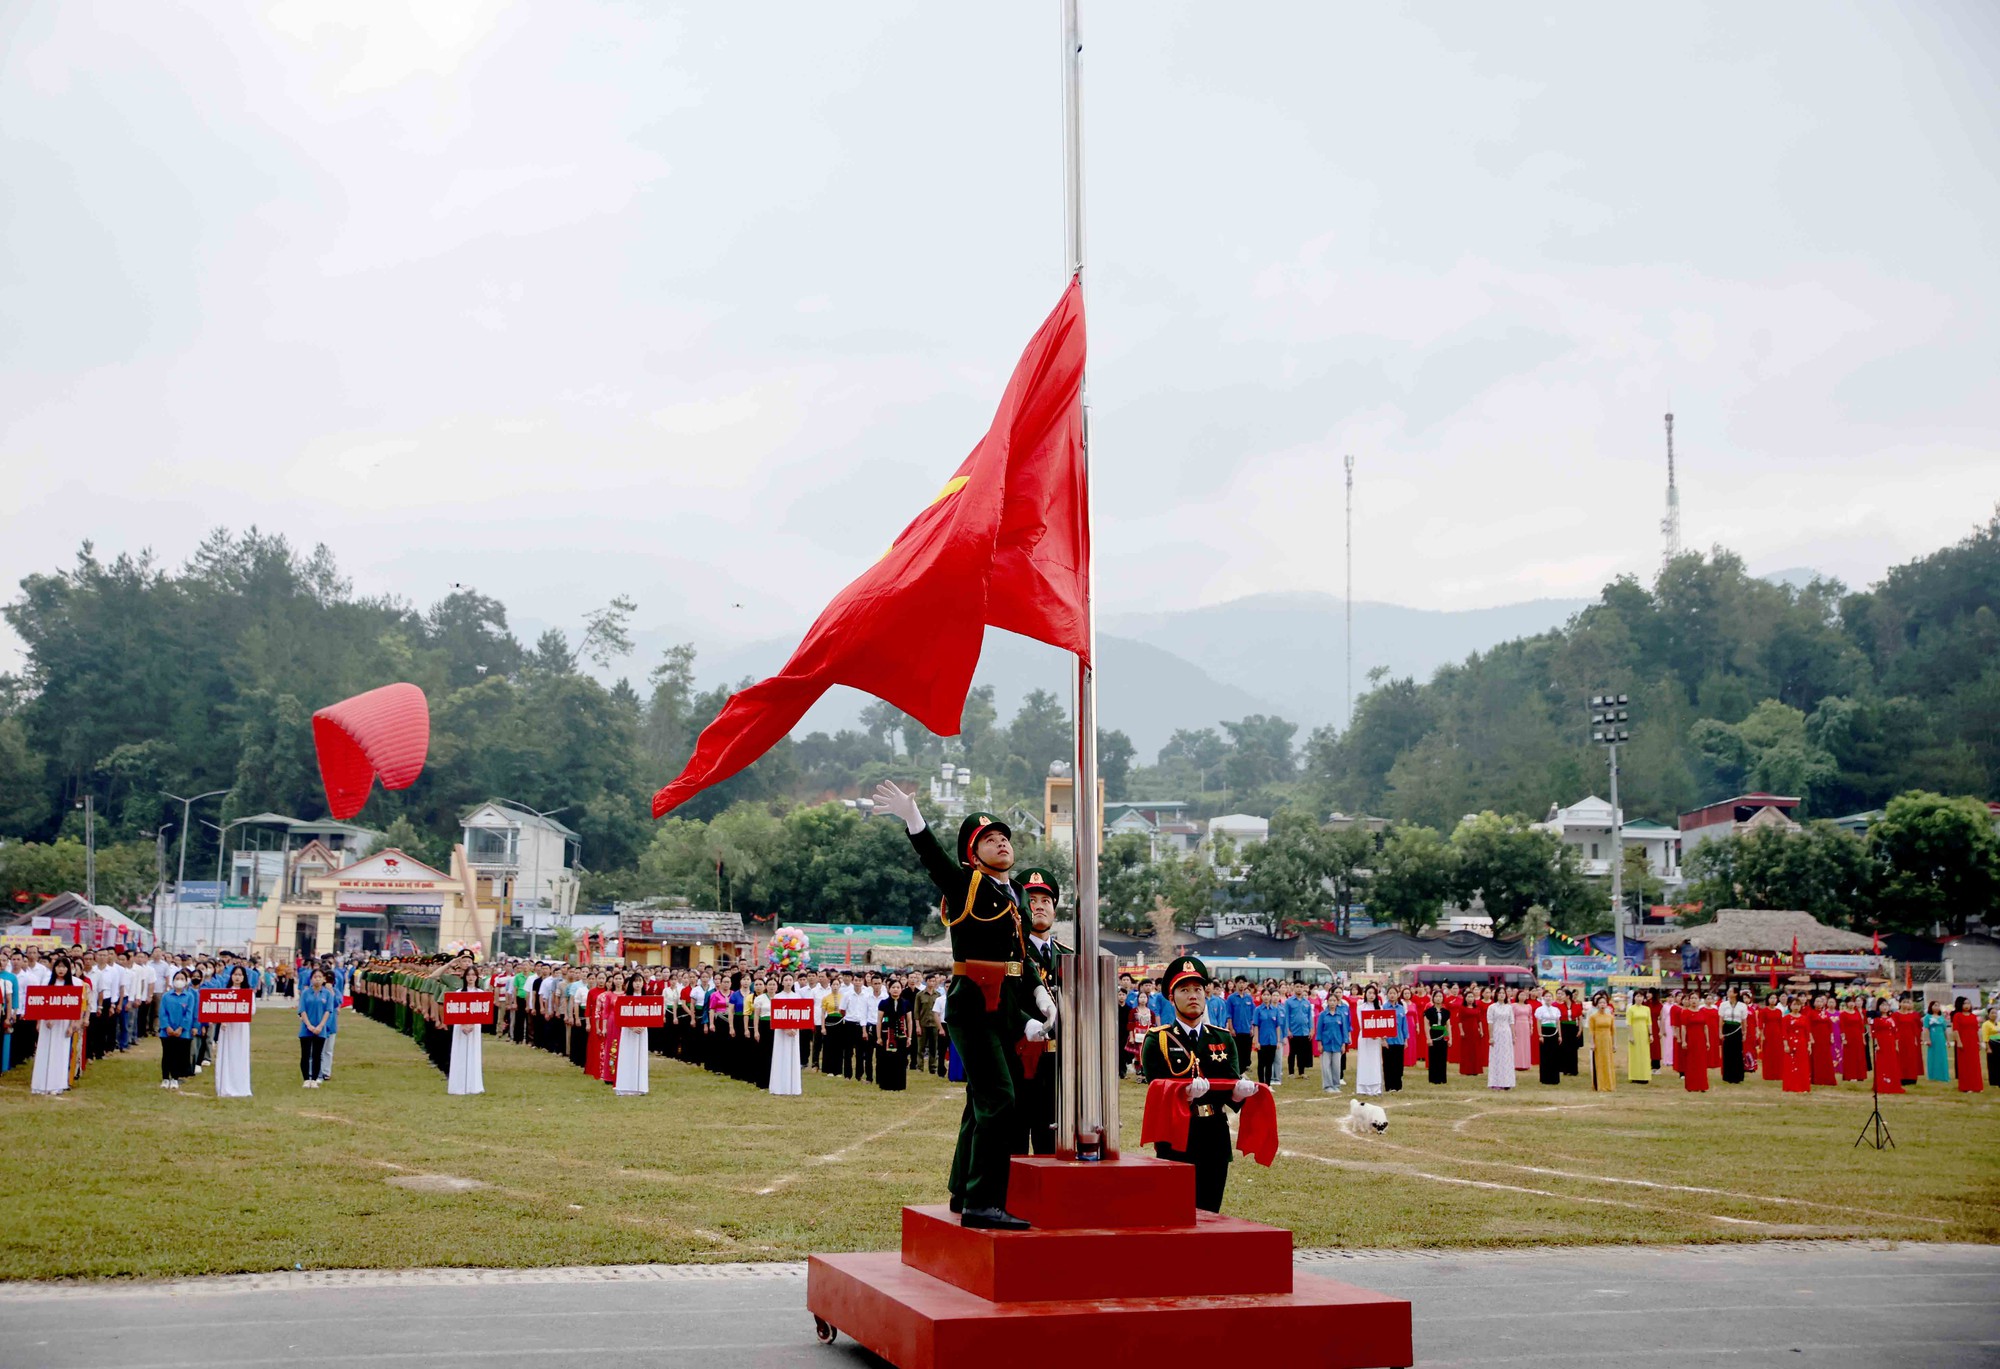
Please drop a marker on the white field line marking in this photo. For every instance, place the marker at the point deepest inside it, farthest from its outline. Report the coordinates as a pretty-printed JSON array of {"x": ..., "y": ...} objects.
[
  {"x": 1634, "y": 1183},
  {"x": 1534, "y": 1192},
  {"x": 1465, "y": 1122},
  {"x": 837, "y": 1156}
]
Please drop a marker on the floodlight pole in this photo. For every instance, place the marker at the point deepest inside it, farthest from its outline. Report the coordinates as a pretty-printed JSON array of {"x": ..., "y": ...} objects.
[{"x": 1610, "y": 715}]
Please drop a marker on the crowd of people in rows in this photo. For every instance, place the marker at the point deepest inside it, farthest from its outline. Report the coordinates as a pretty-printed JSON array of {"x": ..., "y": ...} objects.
[
  {"x": 866, "y": 1024},
  {"x": 131, "y": 996},
  {"x": 877, "y": 1025},
  {"x": 1803, "y": 1040}
]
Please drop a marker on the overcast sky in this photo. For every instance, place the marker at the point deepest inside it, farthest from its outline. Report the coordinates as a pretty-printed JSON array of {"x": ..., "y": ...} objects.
[{"x": 563, "y": 300}]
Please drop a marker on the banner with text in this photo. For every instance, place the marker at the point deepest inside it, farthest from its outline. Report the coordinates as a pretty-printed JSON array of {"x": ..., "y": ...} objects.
[
  {"x": 642, "y": 1012},
  {"x": 52, "y": 1002},
  {"x": 467, "y": 1009},
  {"x": 791, "y": 1014},
  {"x": 228, "y": 1005}
]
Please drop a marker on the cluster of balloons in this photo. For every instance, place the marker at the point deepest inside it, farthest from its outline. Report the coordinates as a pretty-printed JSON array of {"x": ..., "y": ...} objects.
[{"x": 788, "y": 950}]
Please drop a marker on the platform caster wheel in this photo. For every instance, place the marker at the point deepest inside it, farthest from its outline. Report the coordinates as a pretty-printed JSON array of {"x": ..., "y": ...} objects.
[{"x": 824, "y": 1332}]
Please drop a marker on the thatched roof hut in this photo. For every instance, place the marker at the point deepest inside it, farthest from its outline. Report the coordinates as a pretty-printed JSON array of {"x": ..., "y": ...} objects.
[{"x": 1761, "y": 929}]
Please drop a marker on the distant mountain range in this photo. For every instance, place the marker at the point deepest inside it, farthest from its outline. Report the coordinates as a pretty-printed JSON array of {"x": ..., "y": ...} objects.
[
  {"x": 1291, "y": 648},
  {"x": 1265, "y": 653}
]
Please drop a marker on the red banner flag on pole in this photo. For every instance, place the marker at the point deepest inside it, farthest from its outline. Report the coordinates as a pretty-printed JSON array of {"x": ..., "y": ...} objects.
[{"x": 1004, "y": 544}]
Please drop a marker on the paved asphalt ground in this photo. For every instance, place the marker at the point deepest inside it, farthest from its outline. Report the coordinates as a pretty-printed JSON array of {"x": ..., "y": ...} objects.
[{"x": 1814, "y": 1306}]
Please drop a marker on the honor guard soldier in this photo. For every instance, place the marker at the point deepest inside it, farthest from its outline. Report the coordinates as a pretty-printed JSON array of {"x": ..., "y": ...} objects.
[
  {"x": 1205, "y": 1056},
  {"x": 996, "y": 993},
  {"x": 1036, "y": 1089}
]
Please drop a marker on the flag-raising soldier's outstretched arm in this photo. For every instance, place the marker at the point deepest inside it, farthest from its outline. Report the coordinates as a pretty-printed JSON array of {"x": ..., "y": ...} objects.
[{"x": 944, "y": 869}]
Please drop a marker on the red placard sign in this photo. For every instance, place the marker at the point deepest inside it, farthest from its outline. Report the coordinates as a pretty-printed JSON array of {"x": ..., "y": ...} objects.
[
  {"x": 464, "y": 1009},
  {"x": 227, "y": 1005},
  {"x": 791, "y": 1014},
  {"x": 642, "y": 1012},
  {"x": 1377, "y": 1023},
  {"x": 52, "y": 1002}
]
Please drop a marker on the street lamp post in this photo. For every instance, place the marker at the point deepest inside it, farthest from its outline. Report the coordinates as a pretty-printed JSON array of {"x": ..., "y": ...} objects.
[
  {"x": 180, "y": 874},
  {"x": 89, "y": 807},
  {"x": 1609, "y": 714},
  {"x": 534, "y": 928}
]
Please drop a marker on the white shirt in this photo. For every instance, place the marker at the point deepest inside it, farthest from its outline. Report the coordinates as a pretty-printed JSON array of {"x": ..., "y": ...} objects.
[{"x": 37, "y": 973}]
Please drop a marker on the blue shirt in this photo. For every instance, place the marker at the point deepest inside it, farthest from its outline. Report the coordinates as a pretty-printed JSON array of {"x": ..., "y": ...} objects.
[
  {"x": 1242, "y": 1014},
  {"x": 1163, "y": 1011},
  {"x": 1402, "y": 1036},
  {"x": 1270, "y": 1023},
  {"x": 1298, "y": 1017},
  {"x": 314, "y": 1004},
  {"x": 1334, "y": 1027},
  {"x": 177, "y": 1011},
  {"x": 1218, "y": 1011}
]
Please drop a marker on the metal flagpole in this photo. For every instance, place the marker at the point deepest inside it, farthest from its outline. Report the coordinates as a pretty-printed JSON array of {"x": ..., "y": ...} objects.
[{"x": 1093, "y": 1109}]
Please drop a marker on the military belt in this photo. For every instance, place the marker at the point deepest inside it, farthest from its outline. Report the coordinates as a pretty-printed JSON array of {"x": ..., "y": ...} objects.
[{"x": 988, "y": 975}]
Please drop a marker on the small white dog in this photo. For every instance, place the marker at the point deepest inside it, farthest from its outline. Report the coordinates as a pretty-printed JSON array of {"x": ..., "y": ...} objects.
[{"x": 1360, "y": 1114}]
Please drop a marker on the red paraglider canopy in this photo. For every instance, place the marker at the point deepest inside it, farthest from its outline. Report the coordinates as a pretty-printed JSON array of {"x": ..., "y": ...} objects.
[{"x": 385, "y": 732}]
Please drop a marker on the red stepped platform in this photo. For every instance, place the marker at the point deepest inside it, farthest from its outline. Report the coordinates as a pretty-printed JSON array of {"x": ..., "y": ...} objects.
[{"x": 1118, "y": 1258}]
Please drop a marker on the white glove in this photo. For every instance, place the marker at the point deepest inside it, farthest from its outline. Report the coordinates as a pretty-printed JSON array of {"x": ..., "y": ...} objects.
[
  {"x": 890, "y": 799},
  {"x": 1197, "y": 1086},
  {"x": 1046, "y": 1006},
  {"x": 1244, "y": 1088},
  {"x": 1035, "y": 1031}
]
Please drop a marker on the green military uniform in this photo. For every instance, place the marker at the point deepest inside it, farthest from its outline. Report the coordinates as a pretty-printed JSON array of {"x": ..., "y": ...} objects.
[
  {"x": 989, "y": 946},
  {"x": 1180, "y": 1051},
  {"x": 1037, "y": 1092}
]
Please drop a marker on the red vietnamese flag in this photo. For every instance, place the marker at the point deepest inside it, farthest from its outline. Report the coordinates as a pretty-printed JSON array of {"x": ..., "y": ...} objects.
[{"x": 1004, "y": 544}]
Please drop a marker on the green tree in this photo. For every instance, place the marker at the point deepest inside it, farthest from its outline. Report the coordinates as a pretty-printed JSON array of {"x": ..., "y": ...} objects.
[
  {"x": 1819, "y": 869},
  {"x": 1939, "y": 862},
  {"x": 1201, "y": 750},
  {"x": 1640, "y": 885},
  {"x": 1350, "y": 855},
  {"x": 1260, "y": 751},
  {"x": 24, "y": 797},
  {"x": 1512, "y": 867},
  {"x": 1291, "y": 872},
  {"x": 1038, "y": 736},
  {"x": 126, "y": 871},
  {"x": 402, "y": 835},
  {"x": 1114, "y": 762},
  {"x": 667, "y": 730},
  {"x": 1415, "y": 874},
  {"x": 1770, "y": 751}
]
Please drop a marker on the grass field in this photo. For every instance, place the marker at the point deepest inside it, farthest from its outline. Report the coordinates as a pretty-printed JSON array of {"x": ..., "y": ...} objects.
[{"x": 122, "y": 1179}]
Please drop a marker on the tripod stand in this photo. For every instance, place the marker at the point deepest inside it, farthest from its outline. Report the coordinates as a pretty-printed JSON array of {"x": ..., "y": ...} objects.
[{"x": 1875, "y": 1131}]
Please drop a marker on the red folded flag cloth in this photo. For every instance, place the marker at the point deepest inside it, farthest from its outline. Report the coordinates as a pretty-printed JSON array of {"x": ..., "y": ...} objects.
[
  {"x": 1257, "y": 1126},
  {"x": 1167, "y": 1114}
]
